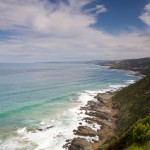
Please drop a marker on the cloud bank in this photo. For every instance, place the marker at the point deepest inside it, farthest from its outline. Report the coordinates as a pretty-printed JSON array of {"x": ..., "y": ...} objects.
[{"x": 45, "y": 31}]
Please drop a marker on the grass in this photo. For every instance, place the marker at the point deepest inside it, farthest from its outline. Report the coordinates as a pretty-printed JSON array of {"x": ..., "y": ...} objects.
[{"x": 137, "y": 147}]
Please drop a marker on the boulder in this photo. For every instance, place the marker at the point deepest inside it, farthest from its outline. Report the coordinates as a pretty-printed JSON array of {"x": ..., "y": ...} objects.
[
  {"x": 85, "y": 131},
  {"x": 99, "y": 114},
  {"x": 80, "y": 144}
]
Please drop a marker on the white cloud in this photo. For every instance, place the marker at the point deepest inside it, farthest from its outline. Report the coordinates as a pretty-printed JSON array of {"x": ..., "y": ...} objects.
[
  {"x": 145, "y": 17},
  {"x": 43, "y": 16},
  {"x": 51, "y": 32},
  {"x": 98, "y": 9}
]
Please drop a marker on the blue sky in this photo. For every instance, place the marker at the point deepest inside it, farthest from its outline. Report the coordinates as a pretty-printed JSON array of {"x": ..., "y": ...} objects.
[
  {"x": 121, "y": 15},
  {"x": 72, "y": 30}
]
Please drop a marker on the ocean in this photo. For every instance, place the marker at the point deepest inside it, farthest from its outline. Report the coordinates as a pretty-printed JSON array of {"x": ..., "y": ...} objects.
[{"x": 47, "y": 97}]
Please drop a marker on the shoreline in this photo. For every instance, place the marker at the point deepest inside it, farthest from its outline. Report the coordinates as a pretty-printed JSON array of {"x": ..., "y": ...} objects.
[
  {"x": 96, "y": 123},
  {"x": 102, "y": 113},
  {"x": 136, "y": 73}
]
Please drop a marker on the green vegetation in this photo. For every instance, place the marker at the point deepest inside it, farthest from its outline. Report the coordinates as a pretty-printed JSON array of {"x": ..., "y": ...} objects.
[
  {"x": 142, "y": 65},
  {"x": 133, "y": 102},
  {"x": 134, "y": 105},
  {"x": 138, "y": 135},
  {"x": 137, "y": 147}
]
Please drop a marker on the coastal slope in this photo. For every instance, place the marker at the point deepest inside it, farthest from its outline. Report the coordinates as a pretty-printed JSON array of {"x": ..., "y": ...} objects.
[
  {"x": 124, "y": 115},
  {"x": 133, "y": 123},
  {"x": 133, "y": 102},
  {"x": 142, "y": 65}
]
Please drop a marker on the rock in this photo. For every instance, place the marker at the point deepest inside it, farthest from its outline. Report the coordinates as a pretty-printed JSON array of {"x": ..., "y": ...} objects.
[
  {"x": 85, "y": 131},
  {"x": 80, "y": 123},
  {"x": 98, "y": 97},
  {"x": 114, "y": 106},
  {"x": 44, "y": 128},
  {"x": 102, "y": 97},
  {"x": 68, "y": 142},
  {"x": 91, "y": 103},
  {"x": 98, "y": 121},
  {"x": 99, "y": 114},
  {"x": 65, "y": 146},
  {"x": 80, "y": 144},
  {"x": 40, "y": 129}
]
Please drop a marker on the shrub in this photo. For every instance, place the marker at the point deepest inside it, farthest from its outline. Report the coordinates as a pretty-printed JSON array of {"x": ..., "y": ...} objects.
[
  {"x": 141, "y": 133},
  {"x": 138, "y": 134}
]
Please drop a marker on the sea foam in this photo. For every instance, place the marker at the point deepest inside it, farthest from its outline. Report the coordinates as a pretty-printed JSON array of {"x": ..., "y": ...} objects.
[{"x": 53, "y": 134}]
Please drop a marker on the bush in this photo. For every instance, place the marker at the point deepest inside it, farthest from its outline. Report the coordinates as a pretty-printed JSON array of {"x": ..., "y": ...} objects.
[
  {"x": 138, "y": 134},
  {"x": 137, "y": 147},
  {"x": 141, "y": 133}
]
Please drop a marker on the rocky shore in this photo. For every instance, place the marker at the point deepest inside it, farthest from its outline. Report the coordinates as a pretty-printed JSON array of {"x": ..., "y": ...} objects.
[{"x": 100, "y": 114}]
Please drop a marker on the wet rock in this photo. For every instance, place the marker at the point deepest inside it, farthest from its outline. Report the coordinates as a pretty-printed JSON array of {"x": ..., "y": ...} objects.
[
  {"x": 99, "y": 98},
  {"x": 80, "y": 123},
  {"x": 80, "y": 144},
  {"x": 98, "y": 121},
  {"x": 85, "y": 131},
  {"x": 68, "y": 142},
  {"x": 99, "y": 114},
  {"x": 66, "y": 146},
  {"x": 44, "y": 128},
  {"x": 91, "y": 103}
]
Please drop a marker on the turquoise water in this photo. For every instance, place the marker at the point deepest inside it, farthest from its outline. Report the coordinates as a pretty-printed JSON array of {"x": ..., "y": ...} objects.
[{"x": 30, "y": 93}]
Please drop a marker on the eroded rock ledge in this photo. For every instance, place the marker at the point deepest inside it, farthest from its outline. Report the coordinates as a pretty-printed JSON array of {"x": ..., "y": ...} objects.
[{"x": 101, "y": 112}]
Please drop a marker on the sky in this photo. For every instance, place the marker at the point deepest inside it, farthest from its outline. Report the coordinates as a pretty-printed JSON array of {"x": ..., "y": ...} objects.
[{"x": 73, "y": 30}]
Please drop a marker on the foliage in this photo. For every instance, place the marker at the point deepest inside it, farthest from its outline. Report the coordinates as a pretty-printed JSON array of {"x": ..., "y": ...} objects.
[
  {"x": 134, "y": 104},
  {"x": 137, "y": 147},
  {"x": 138, "y": 134}
]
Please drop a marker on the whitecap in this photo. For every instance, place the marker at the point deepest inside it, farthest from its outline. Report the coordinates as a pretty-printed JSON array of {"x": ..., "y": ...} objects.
[
  {"x": 130, "y": 81},
  {"x": 115, "y": 87},
  {"x": 54, "y": 138},
  {"x": 21, "y": 131}
]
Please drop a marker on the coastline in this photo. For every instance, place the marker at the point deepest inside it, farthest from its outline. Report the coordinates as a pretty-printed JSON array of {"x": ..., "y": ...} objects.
[
  {"x": 102, "y": 113},
  {"x": 135, "y": 73},
  {"x": 90, "y": 118}
]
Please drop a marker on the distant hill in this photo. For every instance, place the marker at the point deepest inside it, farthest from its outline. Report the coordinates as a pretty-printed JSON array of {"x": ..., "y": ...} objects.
[{"x": 142, "y": 65}]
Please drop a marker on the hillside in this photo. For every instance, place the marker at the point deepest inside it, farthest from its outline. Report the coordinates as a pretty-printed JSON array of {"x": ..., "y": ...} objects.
[
  {"x": 142, "y": 65},
  {"x": 137, "y": 137},
  {"x": 134, "y": 104}
]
